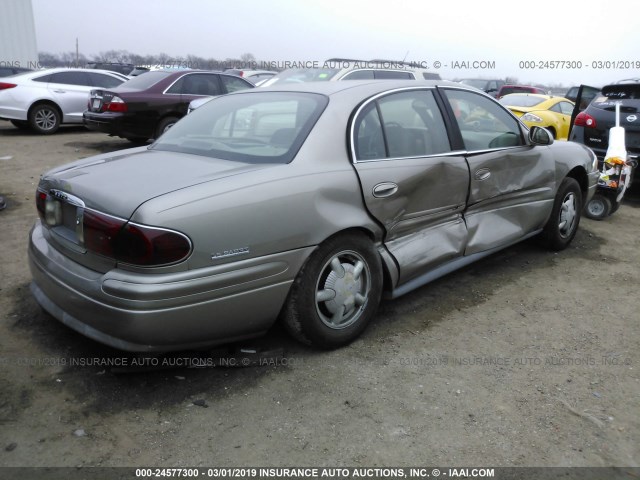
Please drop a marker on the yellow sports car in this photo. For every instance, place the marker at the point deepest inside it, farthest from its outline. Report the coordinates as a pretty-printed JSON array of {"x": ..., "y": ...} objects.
[{"x": 552, "y": 113}]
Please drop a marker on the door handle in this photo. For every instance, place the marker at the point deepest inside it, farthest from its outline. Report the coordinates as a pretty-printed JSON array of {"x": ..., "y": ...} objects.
[
  {"x": 384, "y": 189},
  {"x": 482, "y": 174},
  {"x": 60, "y": 91}
]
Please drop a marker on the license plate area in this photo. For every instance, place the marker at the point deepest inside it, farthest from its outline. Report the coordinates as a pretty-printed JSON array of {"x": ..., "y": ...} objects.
[{"x": 64, "y": 216}]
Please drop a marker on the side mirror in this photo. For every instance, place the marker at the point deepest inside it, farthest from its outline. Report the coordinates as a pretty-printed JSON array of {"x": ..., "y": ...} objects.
[{"x": 540, "y": 136}]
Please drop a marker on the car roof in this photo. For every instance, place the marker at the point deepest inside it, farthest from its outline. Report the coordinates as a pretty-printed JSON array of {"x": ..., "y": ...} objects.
[
  {"x": 48, "y": 71},
  {"x": 330, "y": 88}
]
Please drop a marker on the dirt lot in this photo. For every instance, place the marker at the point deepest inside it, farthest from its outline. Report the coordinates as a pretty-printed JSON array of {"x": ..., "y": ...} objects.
[{"x": 528, "y": 358}]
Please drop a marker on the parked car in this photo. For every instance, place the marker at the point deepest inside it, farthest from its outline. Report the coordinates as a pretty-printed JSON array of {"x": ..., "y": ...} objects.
[
  {"x": 6, "y": 71},
  {"x": 509, "y": 89},
  {"x": 45, "y": 99},
  {"x": 254, "y": 76},
  {"x": 254, "y": 206},
  {"x": 490, "y": 86},
  {"x": 587, "y": 95},
  {"x": 337, "y": 69},
  {"x": 591, "y": 127},
  {"x": 552, "y": 113},
  {"x": 148, "y": 105},
  {"x": 120, "y": 67}
]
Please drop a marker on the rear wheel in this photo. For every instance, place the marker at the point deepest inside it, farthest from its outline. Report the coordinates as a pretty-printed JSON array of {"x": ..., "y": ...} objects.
[
  {"x": 336, "y": 293},
  {"x": 599, "y": 207},
  {"x": 565, "y": 216},
  {"x": 44, "y": 119},
  {"x": 165, "y": 124}
]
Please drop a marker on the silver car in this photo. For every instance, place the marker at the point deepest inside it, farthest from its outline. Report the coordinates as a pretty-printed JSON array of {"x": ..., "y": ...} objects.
[
  {"x": 306, "y": 203},
  {"x": 45, "y": 99}
]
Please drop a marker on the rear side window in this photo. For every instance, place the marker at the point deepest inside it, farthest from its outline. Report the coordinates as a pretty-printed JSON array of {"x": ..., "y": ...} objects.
[
  {"x": 104, "y": 81},
  {"x": 359, "y": 75},
  {"x": 70, "y": 78},
  {"x": 483, "y": 124},
  {"x": 392, "y": 75},
  {"x": 234, "y": 84},
  {"x": 400, "y": 125},
  {"x": 627, "y": 94},
  {"x": 197, "y": 84}
]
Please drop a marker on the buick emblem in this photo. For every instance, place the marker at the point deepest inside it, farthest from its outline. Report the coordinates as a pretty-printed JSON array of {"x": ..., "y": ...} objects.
[{"x": 632, "y": 118}]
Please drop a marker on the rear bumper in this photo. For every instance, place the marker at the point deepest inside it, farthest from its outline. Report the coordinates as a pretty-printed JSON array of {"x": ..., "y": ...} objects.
[
  {"x": 163, "y": 312},
  {"x": 116, "y": 124}
]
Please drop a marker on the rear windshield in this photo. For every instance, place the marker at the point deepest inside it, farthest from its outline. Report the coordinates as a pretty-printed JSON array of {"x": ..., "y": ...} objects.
[
  {"x": 301, "y": 75},
  {"x": 142, "y": 82},
  {"x": 516, "y": 100},
  {"x": 628, "y": 95},
  {"x": 264, "y": 127}
]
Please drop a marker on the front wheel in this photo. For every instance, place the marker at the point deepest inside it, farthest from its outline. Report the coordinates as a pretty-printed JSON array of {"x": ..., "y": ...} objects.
[
  {"x": 336, "y": 293},
  {"x": 599, "y": 207},
  {"x": 565, "y": 216}
]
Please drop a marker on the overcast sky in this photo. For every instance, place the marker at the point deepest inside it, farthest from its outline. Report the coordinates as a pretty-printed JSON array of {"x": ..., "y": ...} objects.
[{"x": 504, "y": 33}]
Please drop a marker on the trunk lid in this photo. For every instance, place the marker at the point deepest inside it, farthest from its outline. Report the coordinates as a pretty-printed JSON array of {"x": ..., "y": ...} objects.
[{"x": 117, "y": 183}]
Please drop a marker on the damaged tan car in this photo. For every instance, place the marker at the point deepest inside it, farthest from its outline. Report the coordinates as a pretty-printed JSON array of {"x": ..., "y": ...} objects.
[{"x": 306, "y": 203}]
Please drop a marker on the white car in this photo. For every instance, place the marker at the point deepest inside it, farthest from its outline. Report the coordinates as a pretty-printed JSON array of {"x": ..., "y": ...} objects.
[{"x": 45, "y": 99}]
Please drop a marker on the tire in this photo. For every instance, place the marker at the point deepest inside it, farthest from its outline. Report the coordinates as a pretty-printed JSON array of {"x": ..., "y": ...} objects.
[
  {"x": 615, "y": 207},
  {"x": 328, "y": 306},
  {"x": 552, "y": 131},
  {"x": 44, "y": 119},
  {"x": 21, "y": 124},
  {"x": 565, "y": 216},
  {"x": 599, "y": 207},
  {"x": 165, "y": 124}
]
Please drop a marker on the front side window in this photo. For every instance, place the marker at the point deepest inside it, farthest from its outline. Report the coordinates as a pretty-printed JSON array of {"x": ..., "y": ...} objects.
[
  {"x": 400, "y": 125},
  {"x": 566, "y": 108},
  {"x": 266, "y": 127},
  {"x": 483, "y": 124}
]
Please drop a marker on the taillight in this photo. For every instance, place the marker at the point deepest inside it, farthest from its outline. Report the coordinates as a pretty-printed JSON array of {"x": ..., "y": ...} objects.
[
  {"x": 115, "y": 237},
  {"x": 4, "y": 85},
  {"x": 115, "y": 105},
  {"x": 41, "y": 203},
  {"x": 132, "y": 243},
  {"x": 585, "y": 120}
]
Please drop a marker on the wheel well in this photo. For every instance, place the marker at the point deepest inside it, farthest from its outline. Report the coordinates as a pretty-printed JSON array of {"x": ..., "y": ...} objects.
[
  {"x": 580, "y": 175},
  {"x": 387, "y": 276},
  {"x": 552, "y": 130},
  {"x": 45, "y": 102}
]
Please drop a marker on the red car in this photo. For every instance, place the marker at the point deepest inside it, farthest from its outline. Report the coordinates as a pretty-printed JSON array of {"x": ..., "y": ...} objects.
[
  {"x": 149, "y": 104},
  {"x": 507, "y": 89}
]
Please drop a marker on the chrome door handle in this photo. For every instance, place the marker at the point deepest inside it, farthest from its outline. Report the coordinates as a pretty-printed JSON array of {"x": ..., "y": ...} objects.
[
  {"x": 482, "y": 174},
  {"x": 384, "y": 189}
]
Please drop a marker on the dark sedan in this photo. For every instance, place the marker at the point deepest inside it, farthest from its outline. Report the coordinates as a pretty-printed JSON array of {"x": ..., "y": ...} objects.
[{"x": 148, "y": 105}]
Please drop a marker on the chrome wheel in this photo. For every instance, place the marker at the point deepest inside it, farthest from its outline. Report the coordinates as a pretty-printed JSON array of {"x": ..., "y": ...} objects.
[
  {"x": 44, "y": 119},
  {"x": 336, "y": 293},
  {"x": 568, "y": 215},
  {"x": 342, "y": 290}
]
